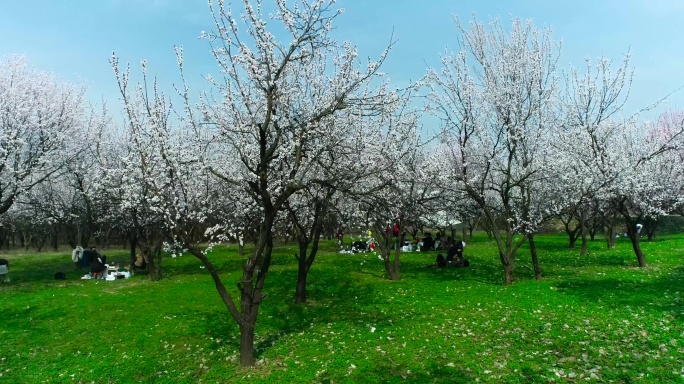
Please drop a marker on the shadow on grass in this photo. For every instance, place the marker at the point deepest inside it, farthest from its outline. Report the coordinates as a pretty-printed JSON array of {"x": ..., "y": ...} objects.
[
  {"x": 330, "y": 303},
  {"x": 480, "y": 270},
  {"x": 662, "y": 293},
  {"x": 225, "y": 259},
  {"x": 14, "y": 317},
  {"x": 434, "y": 372}
]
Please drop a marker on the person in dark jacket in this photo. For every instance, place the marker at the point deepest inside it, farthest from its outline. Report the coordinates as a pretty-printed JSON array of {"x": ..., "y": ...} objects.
[
  {"x": 96, "y": 262},
  {"x": 428, "y": 243},
  {"x": 440, "y": 262},
  {"x": 455, "y": 252}
]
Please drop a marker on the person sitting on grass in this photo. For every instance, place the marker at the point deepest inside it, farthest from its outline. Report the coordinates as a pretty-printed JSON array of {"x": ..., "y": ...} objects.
[
  {"x": 137, "y": 263},
  {"x": 428, "y": 243},
  {"x": 455, "y": 252},
  {"x": 455, "y": 256},
  {"x": 440, "y": 262}
]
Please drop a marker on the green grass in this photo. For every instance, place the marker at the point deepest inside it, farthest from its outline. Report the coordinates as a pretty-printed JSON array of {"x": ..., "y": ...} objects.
[{"x": 597, "y": 317}]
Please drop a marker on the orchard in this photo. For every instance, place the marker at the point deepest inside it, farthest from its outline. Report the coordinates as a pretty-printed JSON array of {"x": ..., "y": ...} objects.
[{"x": 300, "y": 137}]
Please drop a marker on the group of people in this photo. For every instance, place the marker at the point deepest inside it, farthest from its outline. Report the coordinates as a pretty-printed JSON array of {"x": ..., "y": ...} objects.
[
  {"x": 454, "y": 257},
  {"x": 91, "y": 259},
  {"x": 437, "y": 243}
]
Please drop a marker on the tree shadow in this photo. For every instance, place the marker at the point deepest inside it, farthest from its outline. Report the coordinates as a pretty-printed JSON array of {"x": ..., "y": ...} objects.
[
  {"x": 286, "y": 318},
  {"x": 663, "y": 293},
  {"x": 17, "y": 315},
  {"x": 480, "y": 270},
  {"x": 434, "y": 372}
]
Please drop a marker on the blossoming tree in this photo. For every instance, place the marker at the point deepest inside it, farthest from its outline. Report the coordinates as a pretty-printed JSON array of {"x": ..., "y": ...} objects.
[
  {"x": 496, "y": 100},
  {"x": 39, "y": 118},
  {"x": 265, "y": 134}
]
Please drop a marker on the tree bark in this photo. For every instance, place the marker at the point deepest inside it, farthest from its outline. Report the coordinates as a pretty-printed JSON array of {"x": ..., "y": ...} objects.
[
  {"x": 55, "y": 237},
  {"x": 583, "y": 235},
  {"x": 592, "y": 234},
  {"x": 650, "y": 226},
  {"x": 573, "y": 233},
  {"x": 571, "y": 240},
  {"x": 304, "y": 265},
  {"x": 247, "y": 341},
  {"x": 610, "y": 236},
  {"x": 158, "y": 254},
  {"x": 394, "y": 264},
  {"x": 300, "y": 289},
  {"x": 306, "y": 236},
  {"x": 535, "y": 259},
  {"x": 634, "y": 237},
  {"x": 134, "y": 245},
  {"x": 508, "y": 269},
  {"x": 253, "y": 277},
  {"x": 149, "y": 259}
]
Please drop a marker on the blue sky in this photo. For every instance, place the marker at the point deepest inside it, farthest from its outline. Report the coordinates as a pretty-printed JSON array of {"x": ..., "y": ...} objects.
[{"x": 75, "y": 38}]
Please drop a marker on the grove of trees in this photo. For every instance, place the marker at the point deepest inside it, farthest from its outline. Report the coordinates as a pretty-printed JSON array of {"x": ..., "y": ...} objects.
[{"x": 299, "y": 135}]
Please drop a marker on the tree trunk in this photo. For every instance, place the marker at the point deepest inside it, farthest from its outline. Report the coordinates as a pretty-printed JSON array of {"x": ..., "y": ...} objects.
[
  {"x": 134, "y": 245},
  {"x": 583, "y": 234},
  {"x": 247, "y": 342},
  {"x": 507, "y": 256},
  {"x": 302, "y": 270},
  {"x": 149, "y": 259},
  {"x": 650, "y": 227},
  {"x": 385, "y": 246},
  {"x": 535, "y": 259},
  {"x": 641, "y": 259},
  {"x": 55, "y": 237},
  {"x": 40, "y": 243},
  {"x": 158, "y": 254},
  {"x": 305, "y": 262},
  {"x": 610, "y": 236},
  {"x": 508, "y": 271},
  {"x": 573, "y": 233},
  {"x": 300, "y": 290},
  {"x": 584, "y": 250},
  {"x": 249, "y": 308},
  {"x": 305, "y": 236},
  {"x": 85, "y": 239},
  {"x": 105, "y": 237},
  {"x": 508, "y": 247},
  {"x": 395, "y": 263},
  {"x": 392, "y": 273},
  {"x": 253, "y": 277},
  {"x": 636, "y": 246}
]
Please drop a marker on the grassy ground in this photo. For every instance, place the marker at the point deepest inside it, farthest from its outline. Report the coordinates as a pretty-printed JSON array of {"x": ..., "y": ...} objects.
[{"x": 595, "y": 318}]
